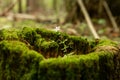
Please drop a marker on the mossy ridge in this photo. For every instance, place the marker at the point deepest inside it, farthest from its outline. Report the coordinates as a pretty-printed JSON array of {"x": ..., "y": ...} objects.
[
  {"x": 28, "y": 34},
  {"x": 84, "y": 67},
  {"x": 106, "y": 45},
  {"x": 30, "y": 65},
  {"x": 62, "y": 43},
  {"x": 51, "y": 35},
  {"x": 92, "y": 66},
  {"x": 17, "y": 62},
  {"x": 9, "y": 34},
  {"x": 79, "y": 44},
  {"x": 106, "y": 64},
  {"x": 106, "y": 42},
  {"x": 66, "y": 43},
  {"x": 47, "y": 48}
]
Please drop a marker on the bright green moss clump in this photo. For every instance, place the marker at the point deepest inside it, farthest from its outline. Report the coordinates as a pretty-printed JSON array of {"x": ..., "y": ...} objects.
[{"x": 8, "y": 35}]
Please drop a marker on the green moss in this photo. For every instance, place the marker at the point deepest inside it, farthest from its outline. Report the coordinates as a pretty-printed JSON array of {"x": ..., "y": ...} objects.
[
  {"x": 75, "y": 58},
  {"x": 47, "y": 48},
  {"x": 45, "y": 33},
  {"x": 8, "y": 35},
  {"x": 70, "y": 68},
  {"x": 38, "y": 42},
  {"x": 29, "y": 65},
  {"x": 51, "y": 35},
  {"x": 66, "y": 43},
  {"x": 28, "y": 34},
  {"x": 106, "y": 43},
  {"x": 17, "y": 62},
  {"x": 79, "y": 44},
  {"x": 93, "y": 66},
  {"x": 106, "y": 64}
]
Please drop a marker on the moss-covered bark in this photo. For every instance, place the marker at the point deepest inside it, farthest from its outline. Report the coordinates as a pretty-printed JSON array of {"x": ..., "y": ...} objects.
[
  {"x": 22, "y": 56},
  {"x": 17, "y": 61}
]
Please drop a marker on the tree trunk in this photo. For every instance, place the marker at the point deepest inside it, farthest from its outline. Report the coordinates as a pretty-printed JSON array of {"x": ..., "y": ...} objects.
[
  {"x": 73, "y": 10},
  {"x": 32, "y": 5},
  {"x": 115, "y": 9},
  {"x": 27, "y": 6},
  {"x": 114, "y": 6},
  {"x": 20, "y": 6}
]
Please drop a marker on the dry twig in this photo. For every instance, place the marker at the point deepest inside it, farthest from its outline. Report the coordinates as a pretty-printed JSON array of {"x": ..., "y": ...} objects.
[{"x": 87, "y": 17}]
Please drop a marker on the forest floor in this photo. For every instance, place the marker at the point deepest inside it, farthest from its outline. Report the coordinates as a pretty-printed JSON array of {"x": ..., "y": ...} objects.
[{"x": 103, "y": 27}]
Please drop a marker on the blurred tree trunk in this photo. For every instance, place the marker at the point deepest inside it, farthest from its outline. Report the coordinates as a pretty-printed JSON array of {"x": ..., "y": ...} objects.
[
  {"x": 32, "y": 5},
  {"x": 100, "y": 10},
  {"x": 114, "y": 6},
  {"x": 27, "y": 6},
  {"x": 115, "y": 9},
  {"x": 73, "y": 10},
  {"x": 20, "y": 6},
  {"x": 58, "y": 7},
  {"x": 55, "y": 4}
]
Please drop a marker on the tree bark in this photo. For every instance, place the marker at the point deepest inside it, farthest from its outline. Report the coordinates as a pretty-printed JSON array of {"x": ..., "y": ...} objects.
[
  {"x": 73, "y": 11},
  {"x": 32, "y": 5},
  {"x": 20, "y": 6}
]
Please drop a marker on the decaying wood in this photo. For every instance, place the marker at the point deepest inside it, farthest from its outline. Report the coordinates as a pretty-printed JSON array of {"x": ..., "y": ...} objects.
[
  {"x": 87, "y": 17},
  {"x": 110, "y": 16},
  {"x": 18, "y": 16},
  {"x": 24, "y": 16}
]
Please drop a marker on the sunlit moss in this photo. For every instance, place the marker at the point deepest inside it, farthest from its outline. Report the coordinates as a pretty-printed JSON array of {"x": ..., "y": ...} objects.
[
  {"x": 8, "y": 34},
  {"x": 51, "y": 35},
  {"x": 107, "y": 42}
]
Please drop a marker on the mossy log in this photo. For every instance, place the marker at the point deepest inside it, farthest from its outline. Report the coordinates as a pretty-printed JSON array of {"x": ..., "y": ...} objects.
[{"x": 39, "y": 54}]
